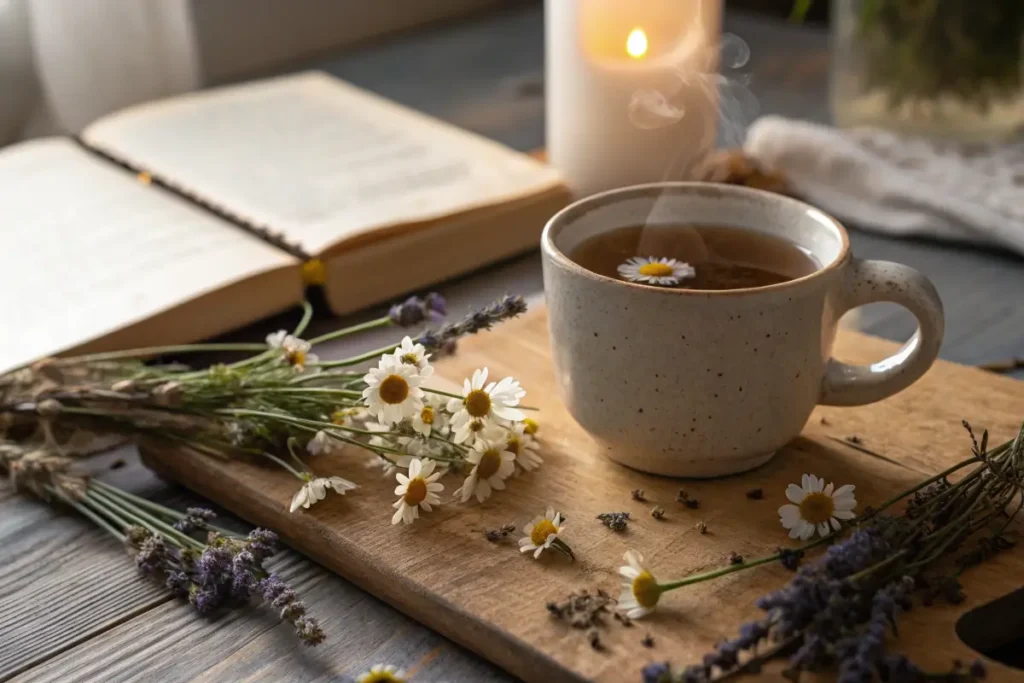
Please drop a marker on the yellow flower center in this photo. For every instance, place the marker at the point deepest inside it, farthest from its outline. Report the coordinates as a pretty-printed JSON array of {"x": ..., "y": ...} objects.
[
  {"x": 427, "y": 415},
  {"x": 394, "y": 389},
  {"x": 410, "y": 359},
  {"x": 541, "y": 531},
  {"x": 297, "y": 357},
  {"x": 382, "y": 677},
  {"x": 656, "y": 269},
  {"x": 515, "y": 444},
  {"x": 478, "y": 403},
  {"x": 530, "y": 426},
  {"x": 817, "y": 508},
  {"x": 415, "y": 492},
  {"x": 645, "y": 589},
  {"x": 476, "y": 426},
  {"x": 489, "y": 463},
  {"x": 340, "y": 417}
]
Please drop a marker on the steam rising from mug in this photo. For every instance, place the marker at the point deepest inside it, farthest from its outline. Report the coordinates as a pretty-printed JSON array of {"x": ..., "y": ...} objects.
[{"x": 652, "y": 108}]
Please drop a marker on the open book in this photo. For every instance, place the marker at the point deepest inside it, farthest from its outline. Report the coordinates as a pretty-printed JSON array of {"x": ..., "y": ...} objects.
[{"x": 178, "y": 220}]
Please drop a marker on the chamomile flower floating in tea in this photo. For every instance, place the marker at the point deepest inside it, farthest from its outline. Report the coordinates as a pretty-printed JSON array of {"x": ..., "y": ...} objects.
[
  {"x": 416, "y": 491},
  {"x": 815, "y": 507},
  {"x": 543, "y": 533},
  {"x": 640, "y": 590},
  {"x": 651, "y": 270}
]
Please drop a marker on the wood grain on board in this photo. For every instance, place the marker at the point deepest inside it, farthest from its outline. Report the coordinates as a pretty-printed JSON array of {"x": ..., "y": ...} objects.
[{"x": 490, "y": 598}]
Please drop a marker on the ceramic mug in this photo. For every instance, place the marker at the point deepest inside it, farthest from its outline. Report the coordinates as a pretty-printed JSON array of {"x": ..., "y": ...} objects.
[{"x": 705, "y": 383}]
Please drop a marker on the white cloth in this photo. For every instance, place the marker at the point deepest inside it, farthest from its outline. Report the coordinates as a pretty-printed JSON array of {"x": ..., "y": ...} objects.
[
  {"x": 96, "y": 56},
  {"x": 882, "y": 181}
]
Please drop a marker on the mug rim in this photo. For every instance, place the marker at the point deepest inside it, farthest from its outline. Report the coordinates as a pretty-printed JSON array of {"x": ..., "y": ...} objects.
[{"x": 582, "y": 206}]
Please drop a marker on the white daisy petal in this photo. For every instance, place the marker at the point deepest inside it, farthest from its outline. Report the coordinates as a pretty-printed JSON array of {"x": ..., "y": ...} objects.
[{"x": 795, "y": 494}]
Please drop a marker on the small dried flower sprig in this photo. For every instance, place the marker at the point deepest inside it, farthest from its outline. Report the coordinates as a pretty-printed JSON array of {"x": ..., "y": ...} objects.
[{"x": 835, "y": 614}]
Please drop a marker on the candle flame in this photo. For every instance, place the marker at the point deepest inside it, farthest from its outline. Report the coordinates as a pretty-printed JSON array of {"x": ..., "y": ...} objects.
[{"x": 636, "y": 43}]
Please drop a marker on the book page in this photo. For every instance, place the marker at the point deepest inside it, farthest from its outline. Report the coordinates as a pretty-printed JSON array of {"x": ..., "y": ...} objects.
[
  {"x": 316, "y": 158},
  {"x": 86, "y": 249}
]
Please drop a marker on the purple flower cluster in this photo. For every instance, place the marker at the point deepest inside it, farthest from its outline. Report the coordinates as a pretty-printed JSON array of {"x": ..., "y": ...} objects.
[
  {"x": 195, "y": 519},
  {"x": 484, "y": 319},
  {"x": 226, "y": 573},
  {"x": 415, "y": 310}
]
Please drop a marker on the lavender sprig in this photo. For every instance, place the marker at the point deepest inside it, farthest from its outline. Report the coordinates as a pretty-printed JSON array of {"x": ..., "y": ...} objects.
[
  {"x": 484, "y": 319},
  {"x": 415, "y": 310},
  {"x": 836, "y": 612}
]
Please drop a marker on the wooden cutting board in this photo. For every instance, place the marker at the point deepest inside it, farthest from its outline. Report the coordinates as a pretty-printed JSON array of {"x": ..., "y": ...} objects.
[{"x": 491, "y": 599}]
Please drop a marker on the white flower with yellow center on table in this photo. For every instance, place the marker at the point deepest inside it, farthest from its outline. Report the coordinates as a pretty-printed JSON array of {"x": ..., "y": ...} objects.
[
  {"x": 640, "y": 590},
  {"x": 392, "y": 391},
  {"x": 652, "y": 270},
  {"x": 294, "y": 350},
  {"x": 416, "y": 491},
  {"x": 382, "y": 673},
  {"x": 315, "y": 490},
  {"x": 492, "y": 465},
  {"x": 542, "y": 533},
  {"x": 431, "y": 418},
  {"x": 414, "y": 354},
  {"x": 816, "y": 507},
  {"x": 524, "y": 446},
  {"x": 484, "y": 402}
]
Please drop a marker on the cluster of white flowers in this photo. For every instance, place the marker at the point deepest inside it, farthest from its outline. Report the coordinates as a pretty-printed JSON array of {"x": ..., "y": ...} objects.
[{"x": 421, "y": 435}]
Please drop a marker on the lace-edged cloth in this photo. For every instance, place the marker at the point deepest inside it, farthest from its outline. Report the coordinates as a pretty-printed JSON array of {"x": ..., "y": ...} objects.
[{"x": 882, "y": 181}]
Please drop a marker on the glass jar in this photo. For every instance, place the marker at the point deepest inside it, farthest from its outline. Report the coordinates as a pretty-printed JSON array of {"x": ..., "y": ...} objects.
[{"x": 940, "y": 68}]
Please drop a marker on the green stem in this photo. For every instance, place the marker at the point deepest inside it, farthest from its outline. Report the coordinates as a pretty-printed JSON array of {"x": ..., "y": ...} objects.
[
  {"x": 285, "y": 465},
  {"x": 86, "y": 512},
  {"x": 162, "y": 527},
  {"x": 113, "y": 513},
  {"x": 156, "y": 507},
  {"x": 307, "y": 315},
  {"x": 354, "y": 329},
  {"x": 160, "y": 351}
]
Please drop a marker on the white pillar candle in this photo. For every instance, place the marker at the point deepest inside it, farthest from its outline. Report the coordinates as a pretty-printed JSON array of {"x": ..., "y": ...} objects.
[{"x": 630, "y": 89}]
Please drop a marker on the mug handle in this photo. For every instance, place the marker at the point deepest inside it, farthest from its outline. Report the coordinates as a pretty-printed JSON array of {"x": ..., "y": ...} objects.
[{"x": 873, "y": 281}]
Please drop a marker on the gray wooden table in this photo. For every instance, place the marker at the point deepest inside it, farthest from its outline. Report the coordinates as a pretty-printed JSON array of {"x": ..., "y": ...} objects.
[{"x": 74, "y": 607}]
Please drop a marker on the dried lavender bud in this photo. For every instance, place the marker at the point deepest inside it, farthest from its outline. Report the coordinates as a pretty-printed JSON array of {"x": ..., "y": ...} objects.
[
  {"x": 435, "y": 304},
  {"x": 638, "y": 494},
  {"x": 656, "y": 672},
  {"x": 555, "y": 609},
  {"x": 735, "y": 558},
  {"x": 790, "y": 559},
  {"x": 623, "y": 619},
  {"x": 410, "y": 312},
  {"x": 262, "y": 543},
  {"x": 692, "y": 503},
  {"x": 682, "y": 496},
  {"x": 658, "y": 512},
  {"x": 616, "y": 521},
  {"x": 648, "y": 641},
  {"x": 493, "y": 535},
  {"x": 701, "y": 527},
  {"x": 755, "y": 494},
  {"x": 854, "y": 439},
  {"x": 594, "y": 638},
  {"x": 484, "y": 319},
  {"x": 195, "y": 519}
]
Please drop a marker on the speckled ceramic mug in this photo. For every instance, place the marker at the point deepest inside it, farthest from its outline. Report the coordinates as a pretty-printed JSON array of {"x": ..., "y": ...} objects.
[{"x": 706, "y": 383}]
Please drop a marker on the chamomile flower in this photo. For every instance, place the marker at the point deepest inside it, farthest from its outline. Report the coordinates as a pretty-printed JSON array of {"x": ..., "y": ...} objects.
[
  {"x": 321, "y": 443},
  {"x": 414, "y": 354},
  {"x": 815, "y": 507},
  {"x": 542, "y": 533},
  {"x": 652, "y": 270},
  {"x": 416, "y": 491},
  {"x": 531, "y": 427},
  {"x": 295, "y": 350},
  {"x": 492, "y": 465},
  {"x": 470, "y": 431},
  {"x": 392, "y": 391},
  {"x": 481, "y": 401},
  {"x": 346, "y": 417},
  {"x": 524, "y": 446},
  {"x": 315, "y": 490},
  {"x": 640, "y": 590},
  {"x": 430, "y": 418},
  {"x": 381, "y": 673}
]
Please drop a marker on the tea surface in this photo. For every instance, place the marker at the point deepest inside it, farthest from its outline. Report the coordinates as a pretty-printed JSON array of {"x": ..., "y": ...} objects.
[{"x": 721, "y": 257}]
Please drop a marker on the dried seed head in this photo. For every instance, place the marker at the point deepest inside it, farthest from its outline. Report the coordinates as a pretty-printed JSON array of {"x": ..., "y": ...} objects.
[{"x": 658, "y": 512}]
